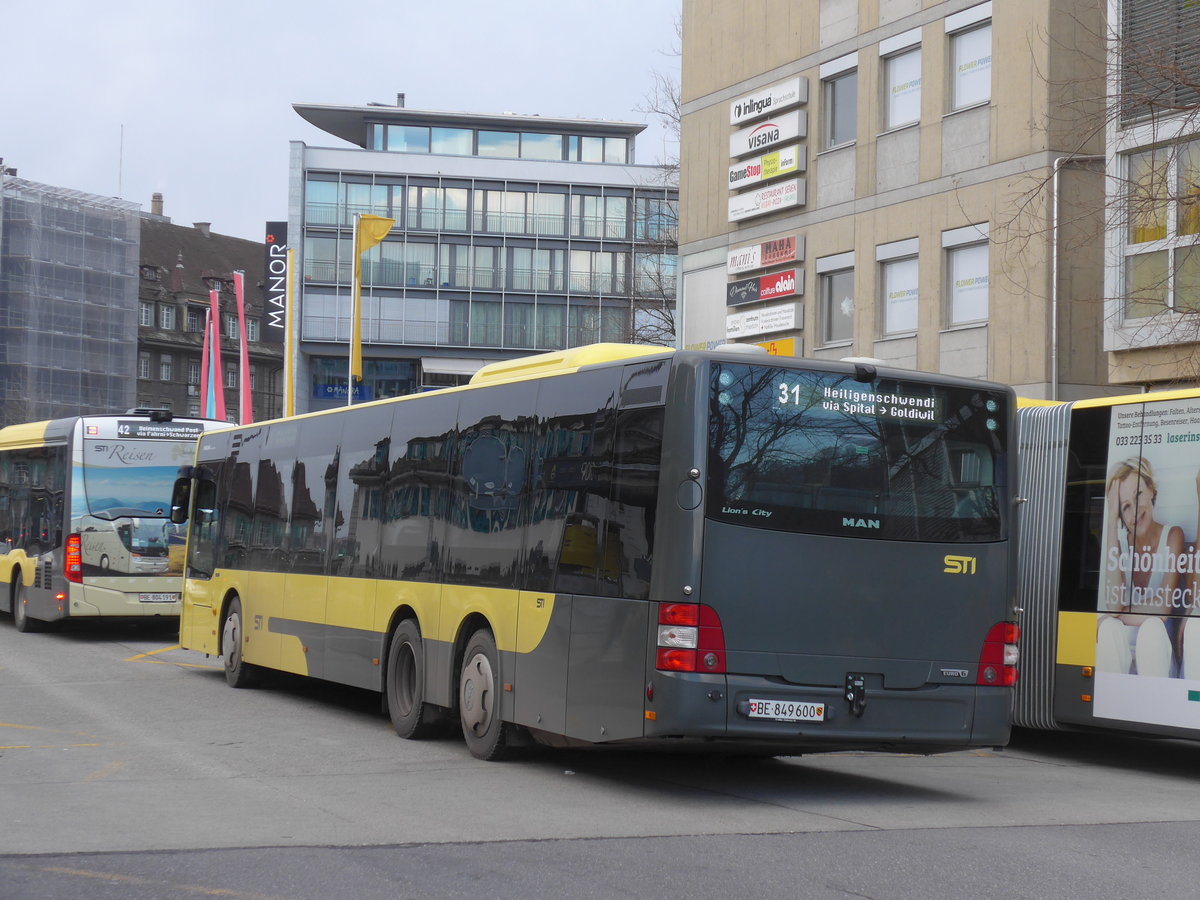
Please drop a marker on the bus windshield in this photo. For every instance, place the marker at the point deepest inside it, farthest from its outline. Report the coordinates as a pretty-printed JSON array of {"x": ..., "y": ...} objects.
[
  {"x": 121, "y": 511},
  {"x": 821, "y": 453}
]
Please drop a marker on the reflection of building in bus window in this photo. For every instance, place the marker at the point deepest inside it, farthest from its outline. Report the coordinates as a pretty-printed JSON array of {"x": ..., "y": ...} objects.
[{"x": 1128, "y": 641}]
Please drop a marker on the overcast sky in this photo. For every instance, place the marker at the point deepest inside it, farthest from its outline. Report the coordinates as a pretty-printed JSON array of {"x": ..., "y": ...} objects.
[{"x": 194, "y": 100}]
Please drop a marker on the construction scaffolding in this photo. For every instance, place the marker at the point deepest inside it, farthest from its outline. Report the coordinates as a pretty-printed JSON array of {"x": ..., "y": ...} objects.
[{"x": 68, "y": 302}]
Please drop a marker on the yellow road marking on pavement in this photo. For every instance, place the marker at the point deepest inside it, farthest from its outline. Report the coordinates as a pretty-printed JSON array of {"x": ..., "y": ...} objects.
[
  {"x": 149, "y": 658},
  {"x": 154, "y": 653},
  {"x": 154, "y": 882},
  {"x": 77, "y": 734}
]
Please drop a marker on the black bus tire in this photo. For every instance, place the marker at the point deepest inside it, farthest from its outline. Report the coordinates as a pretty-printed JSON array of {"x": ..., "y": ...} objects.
[
  {"x": 238, "y": 672},
  {"x": 24, "y": 622},
  {"x": 404, "y": 685},
  {"x": 479, "y": 699}
]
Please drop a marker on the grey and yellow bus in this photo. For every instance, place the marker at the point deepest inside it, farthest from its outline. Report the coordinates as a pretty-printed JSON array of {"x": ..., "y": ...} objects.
[
  {"x": 628, "y": 545},
  {"x": 84, "y": 524},
  {"x": 1110, "y": 569}
]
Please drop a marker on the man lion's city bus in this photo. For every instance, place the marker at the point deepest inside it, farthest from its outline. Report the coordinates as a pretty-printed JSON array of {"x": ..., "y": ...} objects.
[
  {"x": 1110, "y": 569},
  {"x": 84, "y": 516},
  {"x": 628, "y": 545}
]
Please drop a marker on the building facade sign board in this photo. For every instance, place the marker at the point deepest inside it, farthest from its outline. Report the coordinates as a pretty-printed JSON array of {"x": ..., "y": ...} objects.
[
  {"x": 762, "y": 256},
  {"x": 790, "y": 126},
  {"x": 783, "y": 195},
  {"x": 769, "y": 100},
  {"x": 762, "y": 321},
  {"x": 770, "y": 165}
]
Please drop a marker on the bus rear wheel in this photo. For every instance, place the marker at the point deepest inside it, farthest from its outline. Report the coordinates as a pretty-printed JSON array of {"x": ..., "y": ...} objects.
[
  {"x": 479, "y": 699},
  {"x": 24, "y": 622},
  {"x": 238, "y": 672},
  {"x": 404, "y": 688}
]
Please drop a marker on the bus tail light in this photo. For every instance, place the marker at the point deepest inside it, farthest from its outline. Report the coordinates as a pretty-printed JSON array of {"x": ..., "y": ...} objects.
[
  {"x": 998, "y": 659},
  {"x": 73, "y": 559},
  {"x": 690, "y": 639}
]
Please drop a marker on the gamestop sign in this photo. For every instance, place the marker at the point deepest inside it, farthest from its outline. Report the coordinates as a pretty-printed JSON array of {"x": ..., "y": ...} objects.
[
  {"x": 769, "y": 165},
  {"x": 775, "y": 130},
  {"x": 783, "y": 195}
]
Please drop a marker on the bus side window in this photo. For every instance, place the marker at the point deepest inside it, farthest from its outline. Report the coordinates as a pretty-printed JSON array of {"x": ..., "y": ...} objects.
[
  {"x": 572, "y": 463},
  {"x": 205, "y": 527}
]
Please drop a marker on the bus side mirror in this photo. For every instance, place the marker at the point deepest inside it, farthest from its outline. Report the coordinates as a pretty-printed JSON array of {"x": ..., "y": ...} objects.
[{"x": 180, "y": 495}]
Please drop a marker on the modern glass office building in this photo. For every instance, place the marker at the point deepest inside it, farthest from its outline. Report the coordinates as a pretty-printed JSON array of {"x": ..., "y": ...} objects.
[
  {"x": 513, "y": 234},
  {"x": 68, "y": 301}
]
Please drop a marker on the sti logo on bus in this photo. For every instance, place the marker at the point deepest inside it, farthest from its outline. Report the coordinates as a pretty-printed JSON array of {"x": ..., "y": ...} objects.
[
  {"x": 851, "y": 522},
  {"x": 959, "y": 565}
]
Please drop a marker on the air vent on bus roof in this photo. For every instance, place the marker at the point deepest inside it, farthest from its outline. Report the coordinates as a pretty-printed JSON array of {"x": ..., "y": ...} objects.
[{"x": 153, "y": 414}]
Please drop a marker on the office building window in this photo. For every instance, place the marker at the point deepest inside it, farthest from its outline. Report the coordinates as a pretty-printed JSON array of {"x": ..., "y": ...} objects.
[
  {"x": 837, "y": 306},
  {"x": 195, "y": 319},
  {"x": 970, "y": 33},
  {"x": 898, "y": 286},
  {"x": 252, "y": 330},
  {"x": 453, "y": 141},
  {"x": 840, "y": 96},
  {"x": 146, "y": 315},
  {"x": 166, "y": 317},
  {"x": 231, "y": 376},
  {"x": 1159, "y": 56},
  {"x": 193, "y": 371},
  {"x": 902, "y": 88},
  {"x": 967, "y": 280},
  {"x": 1162, "y": 249}
]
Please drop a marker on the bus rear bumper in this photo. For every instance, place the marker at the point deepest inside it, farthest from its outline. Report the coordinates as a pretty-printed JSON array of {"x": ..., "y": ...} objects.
[{"x": 932, "y": 718}]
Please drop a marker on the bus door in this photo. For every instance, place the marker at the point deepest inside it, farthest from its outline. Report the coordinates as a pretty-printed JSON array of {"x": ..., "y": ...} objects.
[{"x": 309, "y": 544}]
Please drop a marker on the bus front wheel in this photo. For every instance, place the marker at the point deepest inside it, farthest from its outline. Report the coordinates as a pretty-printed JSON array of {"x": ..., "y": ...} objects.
[
  {"x": 479, "y": 699},
  {"x": 411, "y": 716},
  {"x": 238, "y": 672},
  {"x": 24, "y": 622}
]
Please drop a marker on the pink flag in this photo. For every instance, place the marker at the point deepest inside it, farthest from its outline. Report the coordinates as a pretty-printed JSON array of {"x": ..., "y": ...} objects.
[
  {"x": 245, "y": 401},
  {"x": 216, "y": 373},
  {"x": 207, "y": 403}
]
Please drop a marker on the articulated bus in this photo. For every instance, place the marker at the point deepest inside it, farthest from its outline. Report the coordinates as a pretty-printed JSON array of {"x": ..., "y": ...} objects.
[
  {"x": 628, "y": 545},
  {"x": 84, "y": 516},
  {"x": 1110, "y": 568}
]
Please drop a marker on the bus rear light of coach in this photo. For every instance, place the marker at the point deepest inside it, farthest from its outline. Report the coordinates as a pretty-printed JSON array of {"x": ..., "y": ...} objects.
[
  {"x": 998, "y": 659},
  {"x": 73, "y": 559},
  {"x": 690, "y": 639}
]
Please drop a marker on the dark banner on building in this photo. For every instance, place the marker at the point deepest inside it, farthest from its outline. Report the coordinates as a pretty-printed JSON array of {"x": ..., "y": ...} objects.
[{"x": 275, "y": 295}]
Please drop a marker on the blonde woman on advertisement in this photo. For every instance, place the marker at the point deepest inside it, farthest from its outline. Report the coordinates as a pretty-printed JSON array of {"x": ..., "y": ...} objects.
[{"x": 1140, "y": 581}]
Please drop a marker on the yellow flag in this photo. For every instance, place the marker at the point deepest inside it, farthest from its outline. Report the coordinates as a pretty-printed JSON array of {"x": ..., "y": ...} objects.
[
  {"x": 369, "y": 231},
  {"x": 372, "y": 230}
]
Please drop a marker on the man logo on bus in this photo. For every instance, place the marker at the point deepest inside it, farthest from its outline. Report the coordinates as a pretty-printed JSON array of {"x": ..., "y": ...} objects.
[
  {"x": 959, "y": 565},
  {"x": 851, "y": 522}
]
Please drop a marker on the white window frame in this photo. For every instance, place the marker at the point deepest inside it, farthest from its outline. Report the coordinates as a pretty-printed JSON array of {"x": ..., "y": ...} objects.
[
  {"x": 1169, "y": 246},
  {"x": 894, "y": 53},
  {"x": 955, "y": 241},
  {"x": 146, "y": 315},
  {"x": 166, "y": 317},
  {"x": 958, "y": 26},
  {"x": 143, "y": 365},
  {"x": 889, "y": 257},
  {"x": 827, "y": 268},
  {"x": 831, "y": 72},
  {"x": 166, "y": 367}
]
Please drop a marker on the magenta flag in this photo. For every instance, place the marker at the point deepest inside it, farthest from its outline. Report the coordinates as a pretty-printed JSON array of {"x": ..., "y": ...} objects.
[{"x": 245, "y": 401}]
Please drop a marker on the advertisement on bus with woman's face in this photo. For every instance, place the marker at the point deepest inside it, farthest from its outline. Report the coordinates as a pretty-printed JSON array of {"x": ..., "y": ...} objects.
[{"x": 1147, "y": 644}]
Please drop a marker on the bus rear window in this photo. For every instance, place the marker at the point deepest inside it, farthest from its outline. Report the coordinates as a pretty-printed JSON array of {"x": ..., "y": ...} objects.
[{"x": 819, "y": 452}]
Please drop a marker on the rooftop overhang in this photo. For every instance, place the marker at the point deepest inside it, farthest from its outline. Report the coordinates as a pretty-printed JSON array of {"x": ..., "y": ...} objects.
[{"x": 350, "y": 122}]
